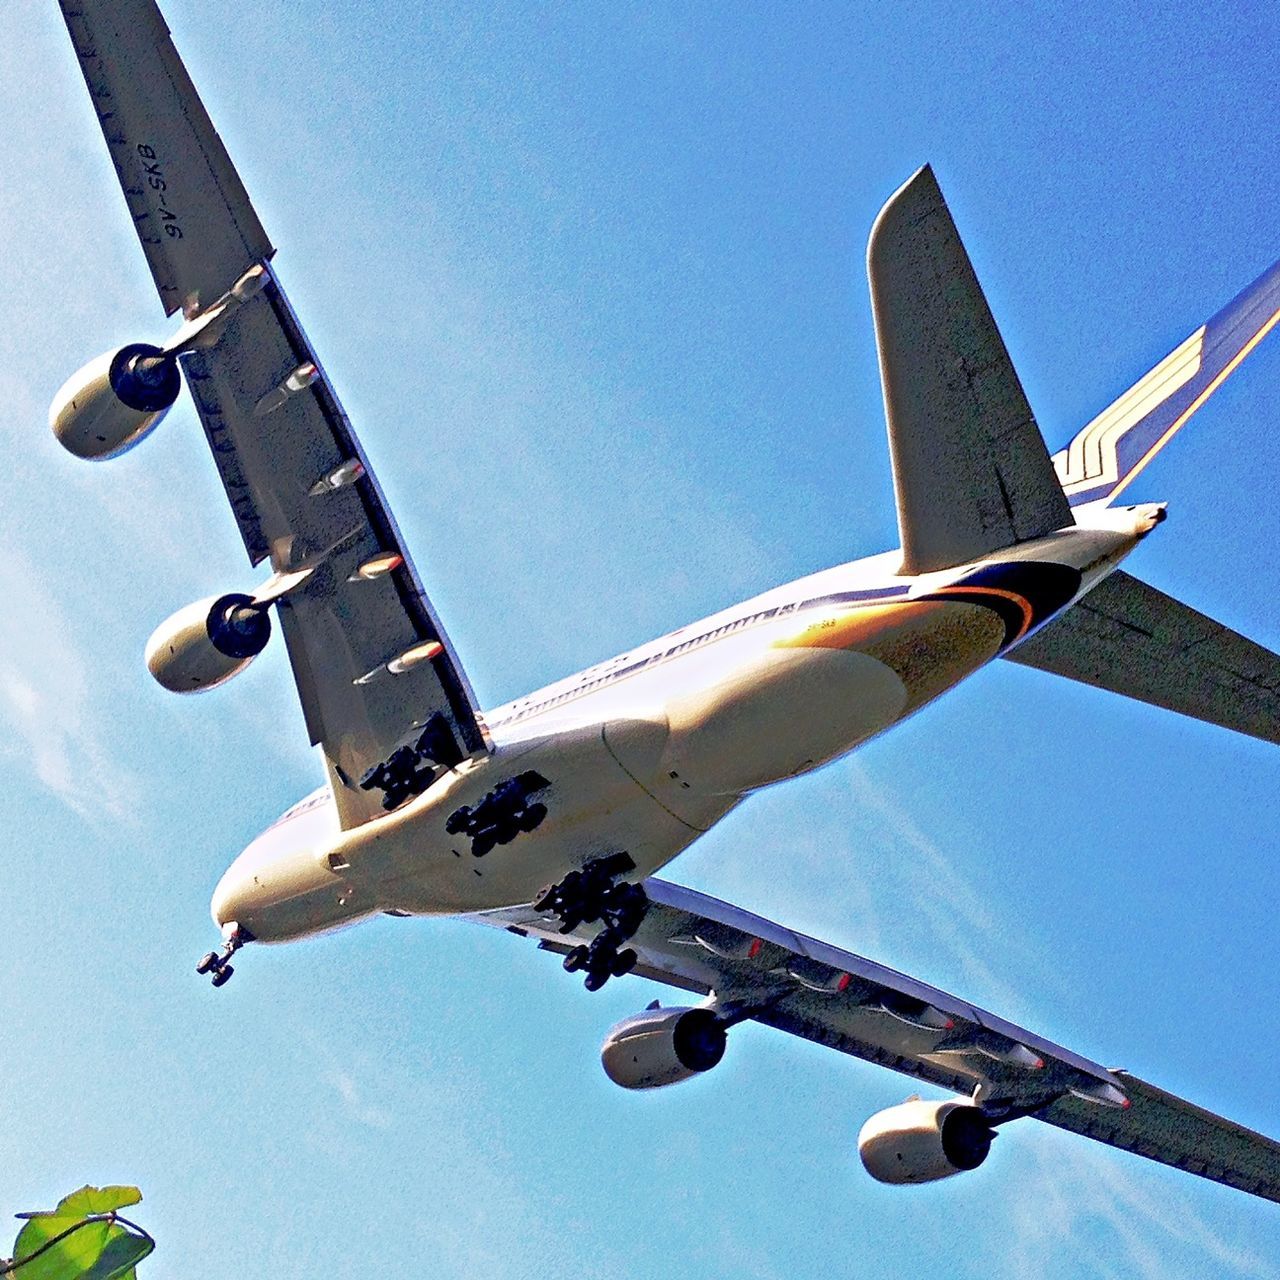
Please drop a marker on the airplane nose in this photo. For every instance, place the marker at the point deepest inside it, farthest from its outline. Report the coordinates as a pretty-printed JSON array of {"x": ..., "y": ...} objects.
[{"x": 230, "y": 897}]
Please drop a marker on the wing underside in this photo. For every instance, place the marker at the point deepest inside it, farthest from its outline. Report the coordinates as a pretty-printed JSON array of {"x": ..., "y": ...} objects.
[
  {"x": 374, "y": 669},
  {"x": 1128, "y": 637},
  {"x": 192, "y": 214},
  {"x": 970, "y": 469},
  {"x": 835, "y": 998},
  {"x": 371, "y": 660}
]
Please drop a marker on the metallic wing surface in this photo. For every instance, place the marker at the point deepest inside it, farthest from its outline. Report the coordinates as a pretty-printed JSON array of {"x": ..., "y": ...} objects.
[
  {"x": 370, "y": 658},
  {"x": 753, "y": 968},
  {"x": 1132, "y": 639},
  {"x": 970, "y": 469},
  {"x": 189, "y": 207}
]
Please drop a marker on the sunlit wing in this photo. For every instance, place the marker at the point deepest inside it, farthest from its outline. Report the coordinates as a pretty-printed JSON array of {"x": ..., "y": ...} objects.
[
  {"x": 758, "y": 969},
  {"x": 372, "y": 663}
]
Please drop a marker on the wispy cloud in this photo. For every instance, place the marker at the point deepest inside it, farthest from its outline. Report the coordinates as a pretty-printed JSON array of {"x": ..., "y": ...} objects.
[
  {"x": 1077, "y": 1192},
  {"x": 357, "y": 1106},
  {"x": 55, "y": 724},
  {"x": 942, "y": 900},
  {"x": 1148, "y": 1228}
]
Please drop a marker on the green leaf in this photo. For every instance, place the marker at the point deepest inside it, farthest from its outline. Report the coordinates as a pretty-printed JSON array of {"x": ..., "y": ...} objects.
[
  {"x": 90, "y": 1248},
  {"x": 89, "y": 1201},
  {"x": 70, "y": 1257},
  {"x": 118, "y": 1259}
]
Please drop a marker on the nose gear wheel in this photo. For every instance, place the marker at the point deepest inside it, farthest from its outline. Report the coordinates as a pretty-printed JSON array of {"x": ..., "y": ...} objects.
[{"x": 218, "y": 963}]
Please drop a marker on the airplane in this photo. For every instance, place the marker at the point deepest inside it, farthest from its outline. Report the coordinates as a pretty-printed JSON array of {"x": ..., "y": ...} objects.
[{"x": 550, "y": 816}]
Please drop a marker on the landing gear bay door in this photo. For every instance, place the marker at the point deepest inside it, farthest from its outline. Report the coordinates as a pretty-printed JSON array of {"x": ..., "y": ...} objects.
[{"x": 381, "y": 689}]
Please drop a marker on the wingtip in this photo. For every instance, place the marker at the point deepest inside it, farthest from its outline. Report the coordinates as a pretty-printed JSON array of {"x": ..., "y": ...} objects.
[{"x": 921, "y": 188}]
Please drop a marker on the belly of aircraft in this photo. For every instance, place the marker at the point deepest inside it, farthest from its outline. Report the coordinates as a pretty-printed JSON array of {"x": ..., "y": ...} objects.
[
  {"x": 648, "y": 782},
  {"x": 818, "y": 691}
]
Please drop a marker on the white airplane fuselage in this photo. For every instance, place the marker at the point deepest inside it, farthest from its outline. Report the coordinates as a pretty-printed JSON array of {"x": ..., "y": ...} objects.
[{"x": 644, "y": 753}]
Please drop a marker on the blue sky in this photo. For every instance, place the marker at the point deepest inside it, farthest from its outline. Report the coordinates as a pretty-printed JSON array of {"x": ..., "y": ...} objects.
[{"x": 589, "y": 278}]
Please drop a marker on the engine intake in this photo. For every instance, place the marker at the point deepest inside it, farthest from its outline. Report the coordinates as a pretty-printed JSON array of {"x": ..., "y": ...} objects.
[
  {"x": 115, "y": 400},
  {"x": 663, "y": 1046},
  {"x": 208, "y": 642},
  {"x": 921, "y": 1141}
]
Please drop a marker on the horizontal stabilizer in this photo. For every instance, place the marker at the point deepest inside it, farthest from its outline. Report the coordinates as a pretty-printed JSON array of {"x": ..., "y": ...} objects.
[
  {"x": 1102, "y": 460},
  {"x": 970, "y": 469},
  {"x": 189, "y": 207},
  {"x": 1132, "y": 639}
]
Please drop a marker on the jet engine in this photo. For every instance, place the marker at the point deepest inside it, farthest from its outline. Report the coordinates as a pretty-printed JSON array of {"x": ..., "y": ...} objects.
[
  {"x": 115, "y": 400},
  {"x": 921, "y": 1141},
  {"x": 663, "y": 1046},
  {"x": 208, "y": 642}
]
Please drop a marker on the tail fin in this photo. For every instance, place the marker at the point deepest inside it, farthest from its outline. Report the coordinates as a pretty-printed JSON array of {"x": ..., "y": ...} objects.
[
  {"x": 1132, "y": 639},
  {"x": 970, "y": 470},
  {"x": 1105, "y": 457}
]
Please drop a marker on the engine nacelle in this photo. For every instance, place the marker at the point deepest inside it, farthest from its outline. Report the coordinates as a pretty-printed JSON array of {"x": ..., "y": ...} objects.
[
  {"x": 920, "y": 1141},
  {"x": 208, "y": 642},
  {"x": 663, "y": 1046},
  {"x": 114, "y": 401}
]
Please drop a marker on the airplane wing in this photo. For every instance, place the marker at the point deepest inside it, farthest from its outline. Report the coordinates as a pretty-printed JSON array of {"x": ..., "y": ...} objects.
[
  {"x": 189, "y": 207},
  {"x": 372, "y": 663},
  {"x": 763, "y": 971},
  {"x": 1132, "y": 639}
]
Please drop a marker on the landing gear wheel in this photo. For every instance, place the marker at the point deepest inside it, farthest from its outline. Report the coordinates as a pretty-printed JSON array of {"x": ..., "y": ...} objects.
[
  {"x": 570, "y": 922},
  {"x": 223, "y": 976},
  {"x": 575, "y": 960},
  {"x": 623, "y": 962},
  {"x": 596, "y": 980},
  {"x": 208, "y": 964},
  {"x": 482, "y": 844},
  {"x": 532, "y": 817}
]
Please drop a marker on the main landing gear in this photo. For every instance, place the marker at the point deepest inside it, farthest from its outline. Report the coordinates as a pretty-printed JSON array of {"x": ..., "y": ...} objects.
[
  {"x": 501, "y": 815},
  {"x": 592, "y": 894},
  {"x": 411, "y": 769},
  {"x": 218, "y": 963}
]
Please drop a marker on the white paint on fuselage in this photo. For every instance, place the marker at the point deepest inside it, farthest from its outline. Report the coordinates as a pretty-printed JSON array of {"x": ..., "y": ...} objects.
[{"x": 644, "y": 752}]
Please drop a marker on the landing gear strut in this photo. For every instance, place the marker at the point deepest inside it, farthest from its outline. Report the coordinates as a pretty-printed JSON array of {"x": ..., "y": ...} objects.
[
  {"x": 218, "y": 963},
  {"x": 592, "y": 894}
]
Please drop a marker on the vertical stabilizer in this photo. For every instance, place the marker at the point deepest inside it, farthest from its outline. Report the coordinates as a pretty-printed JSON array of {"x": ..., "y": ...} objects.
[{"x": 1099, "y": 464}]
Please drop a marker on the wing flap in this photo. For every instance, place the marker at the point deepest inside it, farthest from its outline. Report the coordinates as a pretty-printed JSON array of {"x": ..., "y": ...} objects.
[
  {"x": 192, "y": 214},
  {"x": 1128, "y": 637},
  {"x": 970, "y": 468}
]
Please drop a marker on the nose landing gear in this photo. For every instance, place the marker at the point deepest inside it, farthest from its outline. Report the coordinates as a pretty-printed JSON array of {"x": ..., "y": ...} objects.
[
  {"x": 591, "y": 894},
  {"x": 218, "y": 963}
]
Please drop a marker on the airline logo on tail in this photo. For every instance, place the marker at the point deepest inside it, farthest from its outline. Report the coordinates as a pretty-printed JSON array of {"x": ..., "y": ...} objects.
[
  {"x": 1099, "y": 464},
  {"x": 1091, "y": 460}
]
